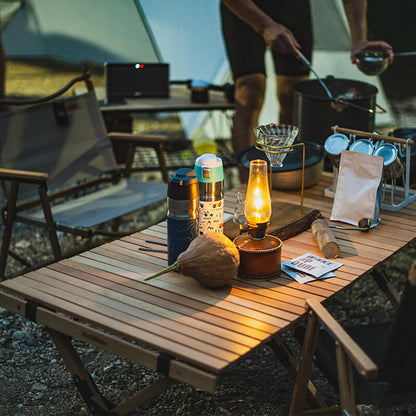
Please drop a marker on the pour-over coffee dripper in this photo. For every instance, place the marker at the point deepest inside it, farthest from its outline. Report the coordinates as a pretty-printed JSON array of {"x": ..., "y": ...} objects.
[{"x": 275, "y": 140}]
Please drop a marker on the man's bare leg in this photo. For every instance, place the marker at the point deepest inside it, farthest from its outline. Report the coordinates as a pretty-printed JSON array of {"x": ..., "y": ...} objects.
[
  {"x": 285, "y": 96},
  {"x": 249, "y": 98}
]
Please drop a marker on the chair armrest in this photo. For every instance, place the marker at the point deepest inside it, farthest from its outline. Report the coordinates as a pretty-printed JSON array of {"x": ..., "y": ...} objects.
[
  {"x": 139, "y": 139},
  {"x": 23, "y": 175},
  {"x": 412, "y": 274},
  {"x": 362, "y": 362}
]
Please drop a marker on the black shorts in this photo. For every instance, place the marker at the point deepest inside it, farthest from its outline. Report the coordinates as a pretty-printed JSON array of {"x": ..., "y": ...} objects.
[{"x": 245, "y": 48}]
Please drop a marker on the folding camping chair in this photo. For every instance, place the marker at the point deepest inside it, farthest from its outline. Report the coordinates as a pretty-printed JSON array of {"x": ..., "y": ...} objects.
[
  {"x": 370, "y": 364},
  {"x": 58, "y": 171}
]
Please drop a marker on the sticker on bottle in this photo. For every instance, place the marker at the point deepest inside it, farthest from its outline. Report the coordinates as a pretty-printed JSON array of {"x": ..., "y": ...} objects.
[{"x": 211, "y": 216}]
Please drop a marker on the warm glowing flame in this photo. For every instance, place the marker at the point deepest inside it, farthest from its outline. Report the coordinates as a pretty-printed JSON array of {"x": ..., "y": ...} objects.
[{"x": 258, "y": 207}]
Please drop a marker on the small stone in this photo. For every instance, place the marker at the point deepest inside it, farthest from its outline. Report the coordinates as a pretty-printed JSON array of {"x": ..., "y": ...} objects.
[
  {"x": 19, "y": 335},
  {"x": 108, "y": 367},
  {"x": 16, "y": 345},
  {"x": 39, "y": 387},
  {"x": 23, "y": 244}
]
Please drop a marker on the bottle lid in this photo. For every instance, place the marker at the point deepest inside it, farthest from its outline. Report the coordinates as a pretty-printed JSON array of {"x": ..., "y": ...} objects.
[
  {"x": 183, "y": 185},
  {"x": 198, "y": 83},
  {"x": 208, "y": 168}
]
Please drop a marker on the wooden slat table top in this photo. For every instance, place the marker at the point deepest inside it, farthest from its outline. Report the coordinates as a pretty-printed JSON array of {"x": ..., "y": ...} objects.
[{"x": 203, "y": 327}]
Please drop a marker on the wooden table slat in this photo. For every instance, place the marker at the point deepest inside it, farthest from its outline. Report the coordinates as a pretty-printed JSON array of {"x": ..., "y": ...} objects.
[
  {"x": 122, "y": 312},
  {"x": 161, "y": 283},
  {"x": 188, "y": 354},
  {"x": 156, "y": 311},
  {"x": 212, "y": 314}
]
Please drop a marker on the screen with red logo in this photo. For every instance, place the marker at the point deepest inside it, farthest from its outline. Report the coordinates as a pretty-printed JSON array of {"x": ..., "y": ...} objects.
[{"x": 128, "y": 80}]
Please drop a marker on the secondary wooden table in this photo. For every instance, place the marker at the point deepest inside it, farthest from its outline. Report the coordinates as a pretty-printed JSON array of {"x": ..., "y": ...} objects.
[
  {"x": 179, "y": 100},
  {"x": 117, "y": 116},
  {"x": 172, "y": 324}
]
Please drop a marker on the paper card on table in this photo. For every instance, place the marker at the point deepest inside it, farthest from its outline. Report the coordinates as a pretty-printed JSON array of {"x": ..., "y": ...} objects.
[
  {"x": 314, "y": 265},
  {"x": 301, "y": 277}
]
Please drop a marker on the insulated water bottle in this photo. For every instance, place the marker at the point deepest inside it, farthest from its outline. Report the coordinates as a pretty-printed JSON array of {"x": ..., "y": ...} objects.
[
  {"x": 182, "y": 214},
  {"x": 210, "y": 173}
]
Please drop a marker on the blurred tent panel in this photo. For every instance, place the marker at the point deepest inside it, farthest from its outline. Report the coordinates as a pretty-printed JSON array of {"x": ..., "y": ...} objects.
[
  {"x": 189, "y": 36},
  {"x": 7, "y": 10},
  {"x": 77, "y": 30}
]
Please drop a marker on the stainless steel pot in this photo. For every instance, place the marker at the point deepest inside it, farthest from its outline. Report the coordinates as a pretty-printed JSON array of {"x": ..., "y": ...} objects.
[
  {"x": 289, "y": 176},
  {"x": 315, "y": 112}
]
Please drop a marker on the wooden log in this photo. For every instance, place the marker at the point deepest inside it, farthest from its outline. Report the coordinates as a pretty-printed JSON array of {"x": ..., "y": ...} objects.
[
  {"x": 286, "y": 221},
  {"x": 325, "y": 239}
]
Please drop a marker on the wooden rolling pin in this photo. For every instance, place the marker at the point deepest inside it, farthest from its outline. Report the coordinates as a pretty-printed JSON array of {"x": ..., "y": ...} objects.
[{"x": 325, "y": 239}]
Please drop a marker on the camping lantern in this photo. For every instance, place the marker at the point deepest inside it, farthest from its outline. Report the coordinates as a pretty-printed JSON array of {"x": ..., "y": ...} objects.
[
  {"x": 260, "y": 253},
  {"x": 258, "y": 206}
]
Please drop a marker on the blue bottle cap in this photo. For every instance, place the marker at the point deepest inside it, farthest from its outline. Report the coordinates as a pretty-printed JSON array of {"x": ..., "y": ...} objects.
[{"x": 183, "y": 185}]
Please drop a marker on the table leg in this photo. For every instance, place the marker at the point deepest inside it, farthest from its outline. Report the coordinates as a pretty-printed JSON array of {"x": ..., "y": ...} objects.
[
  {"x": 388, "y": 289},
  {"x": 142, "y": 396},
  {"x": 286, "y": 357},
  {"x": 96, "y": 403},
  {"x": 304, "y": 369}
]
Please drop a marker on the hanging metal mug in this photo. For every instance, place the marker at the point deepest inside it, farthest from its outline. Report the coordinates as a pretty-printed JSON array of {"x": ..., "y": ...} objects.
[
  {"x": 362, "y": 146},
  {"x": 393, "y": 167},
  {"x": 334, "y": 145}
]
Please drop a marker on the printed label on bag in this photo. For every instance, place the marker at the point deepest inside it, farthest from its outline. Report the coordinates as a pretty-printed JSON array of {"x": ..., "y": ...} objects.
[{"x": 211, "y": 216}]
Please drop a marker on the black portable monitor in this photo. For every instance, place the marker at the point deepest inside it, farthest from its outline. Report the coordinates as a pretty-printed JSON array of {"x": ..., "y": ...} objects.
[{"x": 137, "y": 79}]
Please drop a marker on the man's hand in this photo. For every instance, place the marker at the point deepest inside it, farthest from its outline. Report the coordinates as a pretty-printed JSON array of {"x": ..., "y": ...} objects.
[{"x": 279, "y": 38}]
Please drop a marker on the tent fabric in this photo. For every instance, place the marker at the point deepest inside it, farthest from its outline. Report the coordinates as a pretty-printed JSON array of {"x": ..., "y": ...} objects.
[
  {"x": 78, "y": 30},
  {"x": 330, "y": 28},
  {"x": 8, "y": 8}
]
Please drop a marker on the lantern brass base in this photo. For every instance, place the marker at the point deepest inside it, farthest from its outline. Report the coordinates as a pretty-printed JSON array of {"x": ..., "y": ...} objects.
[{"x": 259, "y": 259}]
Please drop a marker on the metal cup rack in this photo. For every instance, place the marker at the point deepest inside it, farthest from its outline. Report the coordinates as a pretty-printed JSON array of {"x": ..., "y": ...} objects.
[
  {"x": 279, "y": 150},
  {"x": 394, "y": 196}
]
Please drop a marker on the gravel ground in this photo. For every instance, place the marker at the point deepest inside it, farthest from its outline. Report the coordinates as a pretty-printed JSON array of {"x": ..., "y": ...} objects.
[{"x": 33, "y": 379}]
